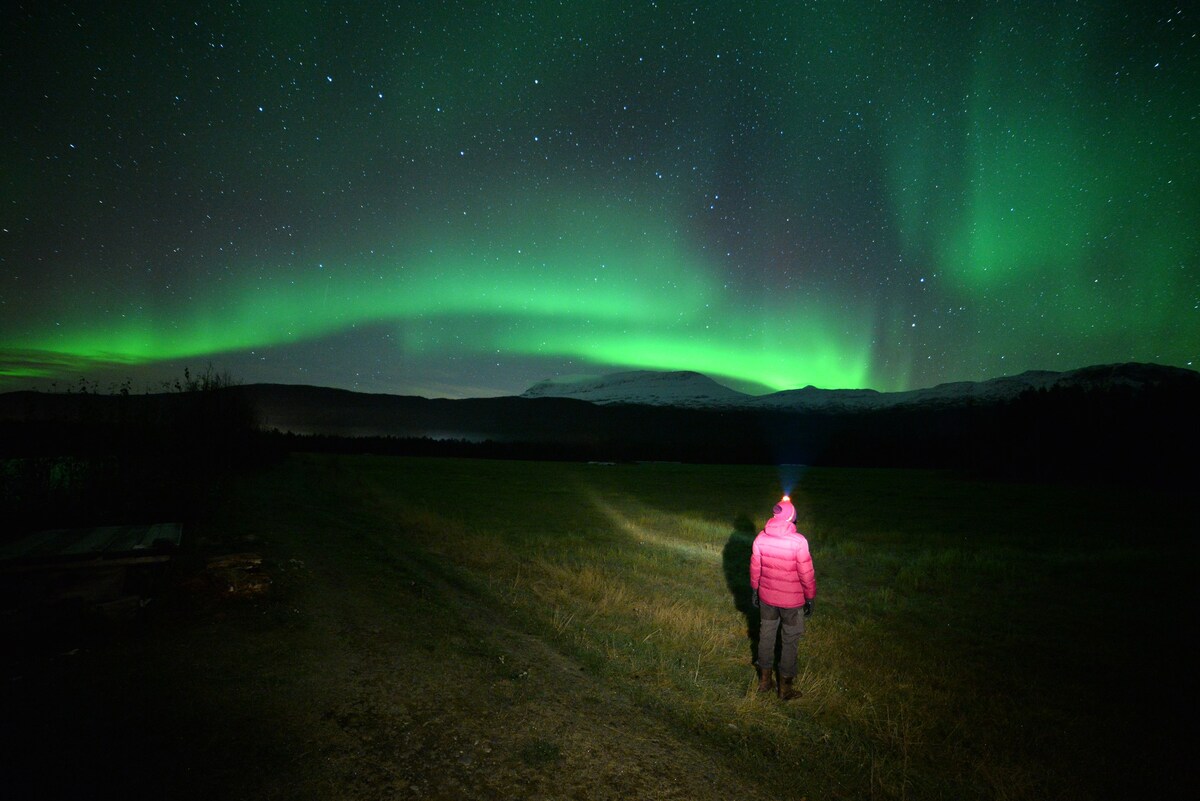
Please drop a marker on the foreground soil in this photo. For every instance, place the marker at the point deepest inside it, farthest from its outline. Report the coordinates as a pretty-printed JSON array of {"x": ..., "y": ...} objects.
[{"x": 338, "y": 668}]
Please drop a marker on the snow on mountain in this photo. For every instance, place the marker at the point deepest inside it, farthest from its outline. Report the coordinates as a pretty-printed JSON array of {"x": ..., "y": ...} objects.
[
  {"x": 694, "y": 390},
  {"x": 812, "y": 399},
  {"x": 995, "y": 389},
  {"x": 647, "y": 387}
]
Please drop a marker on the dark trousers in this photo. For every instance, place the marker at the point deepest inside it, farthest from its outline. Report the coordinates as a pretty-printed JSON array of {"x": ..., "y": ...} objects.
[{"x": 793, "y": 629}]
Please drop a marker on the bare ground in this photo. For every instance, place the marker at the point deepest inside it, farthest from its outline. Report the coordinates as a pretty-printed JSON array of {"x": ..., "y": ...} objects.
[{"x": 359, "y": 674}]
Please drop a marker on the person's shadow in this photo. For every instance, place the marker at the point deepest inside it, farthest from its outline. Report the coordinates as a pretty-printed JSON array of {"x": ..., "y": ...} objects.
[{"x": 735, "y": 560}]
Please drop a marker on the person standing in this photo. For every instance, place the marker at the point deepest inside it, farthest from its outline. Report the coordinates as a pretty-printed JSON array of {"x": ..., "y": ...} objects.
[{"x": 783, "y": 586}]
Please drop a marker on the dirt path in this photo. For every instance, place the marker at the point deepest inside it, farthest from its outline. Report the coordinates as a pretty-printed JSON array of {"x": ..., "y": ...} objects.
[
  {"x": 473, "y": 708},
  {"x": 361, "y": 674}
]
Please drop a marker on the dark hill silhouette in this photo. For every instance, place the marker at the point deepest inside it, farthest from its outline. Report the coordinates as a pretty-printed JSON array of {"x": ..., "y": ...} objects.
[{"x": 1117, "y": 422}]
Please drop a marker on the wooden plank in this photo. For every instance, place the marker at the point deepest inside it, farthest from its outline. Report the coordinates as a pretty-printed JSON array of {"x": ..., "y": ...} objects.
[
  {"x": 43, "y": 543},
  {"x": 92, "y": 540},
  {"x": 66, "y": 544},
  {"x": 124, "y": 538},
  {"x": 83, "y": 564},
  {"x": 172, "y": 533}
]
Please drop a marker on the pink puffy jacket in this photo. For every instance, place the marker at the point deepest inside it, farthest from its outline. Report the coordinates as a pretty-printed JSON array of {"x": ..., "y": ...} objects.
[{"x": 781, "y": 567}]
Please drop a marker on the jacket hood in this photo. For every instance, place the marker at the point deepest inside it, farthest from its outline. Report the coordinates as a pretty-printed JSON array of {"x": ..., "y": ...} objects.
[{"x": 777, "y": 526}]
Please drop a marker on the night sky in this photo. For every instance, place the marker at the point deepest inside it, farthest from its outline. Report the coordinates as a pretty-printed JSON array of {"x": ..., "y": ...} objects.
[{"x": 462, "y": 198}]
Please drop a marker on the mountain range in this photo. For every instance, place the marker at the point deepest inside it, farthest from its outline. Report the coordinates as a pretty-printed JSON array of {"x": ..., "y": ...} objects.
[
  {"x": 686, "y": 389},
  {"x": 1130, "y": 420}
]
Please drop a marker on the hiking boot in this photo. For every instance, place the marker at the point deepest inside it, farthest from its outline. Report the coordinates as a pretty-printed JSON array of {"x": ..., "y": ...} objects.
[
  {"x": 764, "y": 681},
  {"x": 786, "y": 691}
]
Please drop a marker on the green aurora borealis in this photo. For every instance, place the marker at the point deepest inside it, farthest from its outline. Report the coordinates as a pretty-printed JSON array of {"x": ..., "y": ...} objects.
[{"x": 462, "y": 199}]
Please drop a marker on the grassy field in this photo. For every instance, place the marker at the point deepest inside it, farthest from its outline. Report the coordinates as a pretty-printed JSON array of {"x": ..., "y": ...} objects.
[{"x": 457, "y": 629}]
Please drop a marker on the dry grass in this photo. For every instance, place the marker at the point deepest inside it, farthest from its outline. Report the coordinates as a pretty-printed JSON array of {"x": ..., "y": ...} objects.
[{"x": 952, "y": 650}]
